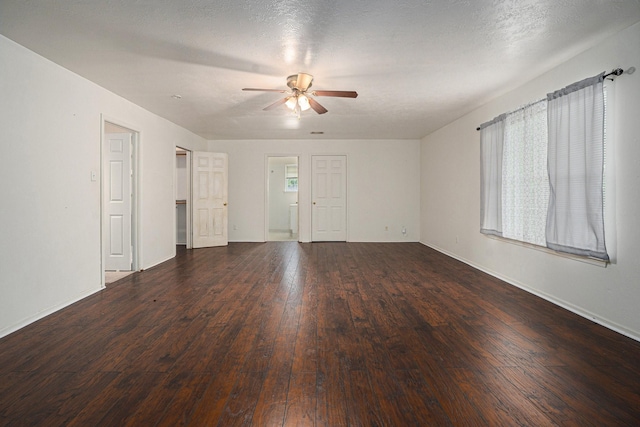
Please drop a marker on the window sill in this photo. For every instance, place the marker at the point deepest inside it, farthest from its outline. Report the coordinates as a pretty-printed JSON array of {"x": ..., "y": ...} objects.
[{"x": 586, "y": 260}]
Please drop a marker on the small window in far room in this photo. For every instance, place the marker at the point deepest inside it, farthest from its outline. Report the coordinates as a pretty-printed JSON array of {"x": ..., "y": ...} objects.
[{"x": 291, "y": 178}]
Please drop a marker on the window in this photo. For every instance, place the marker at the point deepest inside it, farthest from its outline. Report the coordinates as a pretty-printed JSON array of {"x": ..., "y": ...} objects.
[
  {"x": 291, "y": 178},
  {"x": 542, "y": 170}
]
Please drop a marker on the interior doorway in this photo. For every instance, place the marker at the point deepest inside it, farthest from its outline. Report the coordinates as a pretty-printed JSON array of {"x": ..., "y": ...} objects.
[
  {"x": 119, "y": 211},
  {"x": 183, "y": 197},
  {"x": 282, "y": 199}
]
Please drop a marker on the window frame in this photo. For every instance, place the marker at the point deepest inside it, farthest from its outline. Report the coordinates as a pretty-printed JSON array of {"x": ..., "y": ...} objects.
[{"x": 288, "y": 177}]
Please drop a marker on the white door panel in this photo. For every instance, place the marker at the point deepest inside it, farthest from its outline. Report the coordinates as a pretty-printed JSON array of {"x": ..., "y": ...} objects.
[
  {"x": 117, "y": 154},
  {"x": 116, "y": 242},
  {"x": 209, "y": 199},
  {"x": 328, "y": 194}
]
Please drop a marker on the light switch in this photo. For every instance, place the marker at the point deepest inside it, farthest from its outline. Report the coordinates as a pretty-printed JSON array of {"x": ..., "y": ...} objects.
[{"x": 94, "y": 176}]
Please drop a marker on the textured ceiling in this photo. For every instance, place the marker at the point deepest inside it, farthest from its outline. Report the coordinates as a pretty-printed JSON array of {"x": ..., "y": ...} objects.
[{"x": 416, "y": 64}]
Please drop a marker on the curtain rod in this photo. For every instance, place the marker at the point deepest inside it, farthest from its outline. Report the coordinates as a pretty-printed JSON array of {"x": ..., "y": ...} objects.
[{"x": 616, "y": 72}]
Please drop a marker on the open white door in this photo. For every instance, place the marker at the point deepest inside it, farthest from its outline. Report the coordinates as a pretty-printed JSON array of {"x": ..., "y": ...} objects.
[
  {"x": 117, "y": 179},
  {"x": 329, "y": 198},
  {"x": 209, "y": 210}
]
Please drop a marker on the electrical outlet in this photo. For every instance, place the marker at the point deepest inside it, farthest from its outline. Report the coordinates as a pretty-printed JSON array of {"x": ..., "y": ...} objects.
[{"x": 386, "y": 228}]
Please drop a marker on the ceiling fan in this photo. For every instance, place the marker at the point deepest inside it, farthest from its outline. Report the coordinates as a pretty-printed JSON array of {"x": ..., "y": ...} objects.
[{"x": 298, "y": 98}]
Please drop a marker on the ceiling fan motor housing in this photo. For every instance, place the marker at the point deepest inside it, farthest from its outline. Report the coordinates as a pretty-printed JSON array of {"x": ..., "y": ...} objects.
[{"x": 300, "y": 81}]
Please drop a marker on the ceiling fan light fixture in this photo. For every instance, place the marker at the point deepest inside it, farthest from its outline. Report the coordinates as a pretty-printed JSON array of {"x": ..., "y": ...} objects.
[
  {"x": 303, "y": 102},
  {"x": 291, "y": 102}
]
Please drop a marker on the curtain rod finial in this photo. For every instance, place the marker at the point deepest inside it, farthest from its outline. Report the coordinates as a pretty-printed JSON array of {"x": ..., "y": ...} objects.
[{"x": 616, "y": 72}]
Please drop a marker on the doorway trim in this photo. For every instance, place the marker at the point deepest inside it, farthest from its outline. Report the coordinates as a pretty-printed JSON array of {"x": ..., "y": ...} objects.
[{"x": 136, "y": 250}]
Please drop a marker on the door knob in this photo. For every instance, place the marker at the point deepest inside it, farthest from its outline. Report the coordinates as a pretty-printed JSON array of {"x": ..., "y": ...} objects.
[
  {"x": 225, "y": 204},
  {"x": 314, "y": 203}
]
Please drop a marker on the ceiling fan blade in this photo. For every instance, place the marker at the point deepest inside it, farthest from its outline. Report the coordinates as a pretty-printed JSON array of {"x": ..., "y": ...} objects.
[
  {"x": 264, "y": 90},
  {"x": 339, "y": 93},
  {"x": 316, "y": 106},
  {"x": 276, "y": 104}
]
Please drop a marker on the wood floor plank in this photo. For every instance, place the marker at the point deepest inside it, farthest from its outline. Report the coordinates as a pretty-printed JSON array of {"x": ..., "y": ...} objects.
[
  {"x": 550, "y": 398},
  {"x": 615, "y": 397},
  {"x": 451, "y": 397},
  {"x": 69, "y": 399},
  {"x": 322, "y": 334},
  {"x": 119, "y": 400},
  {"x": 155, "y": 403},
  {"x": 272, "y": 401},
  {"x": 179, "y": 410},
  {"x": 227, "y": 369},
  {"x": 21, "y": 411},
  {"x": 363, "y": 406},
  {"x": 305, "y": 358},
  {"x": 422, "y": 402},
  {"x": 331, "y": 400},
  {"x": 301, "y": 400},
  {"x": 496, "y": 411},
  {"x": 240, "y": 406}
]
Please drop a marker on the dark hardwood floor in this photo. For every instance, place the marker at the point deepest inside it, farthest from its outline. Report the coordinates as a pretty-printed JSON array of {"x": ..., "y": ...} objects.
[{"x": 327, "y": 334}]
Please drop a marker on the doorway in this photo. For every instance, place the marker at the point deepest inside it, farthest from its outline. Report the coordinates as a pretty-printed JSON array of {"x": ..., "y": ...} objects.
[
  {"x": 183, "y": 197},
  {"x": 119, "y": 212},
  {"x": 282, "y": 198}
]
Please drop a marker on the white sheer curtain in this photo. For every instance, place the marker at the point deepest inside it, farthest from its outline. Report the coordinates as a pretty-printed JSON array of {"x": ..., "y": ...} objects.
[
  {"x": 575, "y": 220},
  {"x": 491, "y": 143},
  {"x": 525, "y": 182}
]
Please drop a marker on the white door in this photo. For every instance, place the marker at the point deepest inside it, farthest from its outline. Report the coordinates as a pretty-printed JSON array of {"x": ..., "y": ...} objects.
[
  {"x": 117, "y": 179},
  {"x": 329, "y": 198},
  {"x": 209, "y": 210}
]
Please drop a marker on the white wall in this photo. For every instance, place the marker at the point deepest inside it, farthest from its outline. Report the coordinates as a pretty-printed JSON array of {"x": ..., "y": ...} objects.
[
  {"x": 50, "y": 121},
  {"x": 382, "y": 189},
  {"x": 450, "y": 205}
]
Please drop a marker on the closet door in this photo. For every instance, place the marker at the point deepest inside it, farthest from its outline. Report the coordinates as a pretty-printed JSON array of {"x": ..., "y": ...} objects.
[
  {"x": 117, "y": 203},
  {"x": 209, "y": 181},
  {"x": 329, "y": 198}
]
